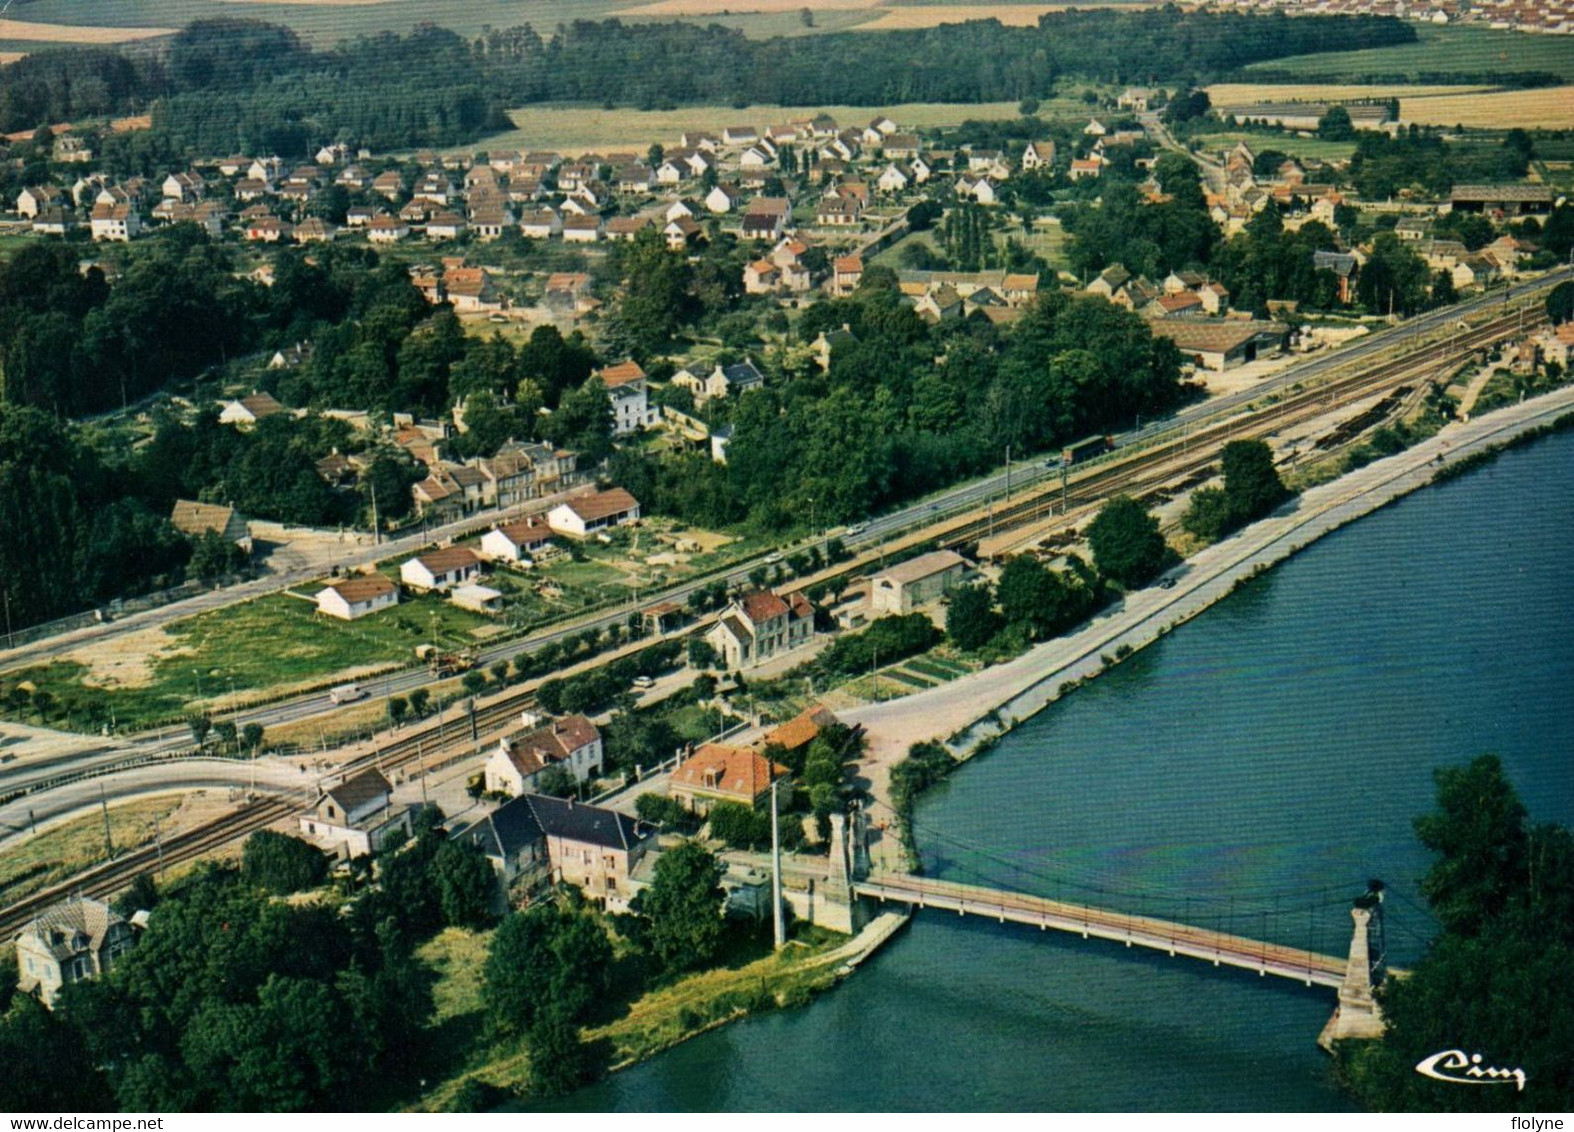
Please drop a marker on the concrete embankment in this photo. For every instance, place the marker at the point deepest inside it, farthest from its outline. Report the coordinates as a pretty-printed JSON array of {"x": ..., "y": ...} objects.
[{"x": 975, "y": 709}]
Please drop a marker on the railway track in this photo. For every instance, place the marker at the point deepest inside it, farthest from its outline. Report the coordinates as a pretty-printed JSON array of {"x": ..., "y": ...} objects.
[
  {"x": 1184, "y": 452},
  {"x": 110, "y": 877}
]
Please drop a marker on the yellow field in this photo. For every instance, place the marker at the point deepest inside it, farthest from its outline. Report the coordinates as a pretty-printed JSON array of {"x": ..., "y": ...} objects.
[
  {"x": 1550, "y": 108},
  {"x": 741, "y": 7},
  {"x": 572, "y": 130},
  {"x": 313, "y": 3},
  {"x": 11, "y": 56},
  {"x": 933, "y": 15},
  {"x": 1233, "y": 94},
  {"x": 64, "y": 33}
]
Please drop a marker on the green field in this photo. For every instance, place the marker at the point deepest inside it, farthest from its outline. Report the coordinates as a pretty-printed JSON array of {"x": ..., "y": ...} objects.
[
  {"x": 274, "y": 642},
  {"x": 1302, "y": 149},
  {"x": 1439, "y": 50},
  {"x": 571, "y": 129}
]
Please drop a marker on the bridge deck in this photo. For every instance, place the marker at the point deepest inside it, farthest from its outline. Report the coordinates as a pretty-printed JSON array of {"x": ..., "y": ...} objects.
[{"x": 1134, "y": 931}]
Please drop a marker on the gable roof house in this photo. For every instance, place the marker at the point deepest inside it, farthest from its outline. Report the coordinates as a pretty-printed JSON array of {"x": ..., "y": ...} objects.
[
  {"x": 584, "y": 515},
  {"x": 719, "y": 773},
  {"x": 631, "y": 409},
  {"x": 760, "y": 625},
  {"x": 357, "y": 816},
  {"x": 350, "y": 598},
  {"x": 440, "y": 569},
  {"x": 918, "y": 581},
  {"x": 516, "y": 542},
  {"x": 838, "y": 211},
  {"x": 1039, "y": 155},
  {"x": 67, "y": 942},
  {"x": 117, "y": 223},
  {"x": 572, "y": 741},
  {"x": 766, "y": 218}
]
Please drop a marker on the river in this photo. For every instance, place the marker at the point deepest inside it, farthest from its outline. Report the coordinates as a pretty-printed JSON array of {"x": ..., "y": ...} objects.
[{"x": 1251, "y": 770}]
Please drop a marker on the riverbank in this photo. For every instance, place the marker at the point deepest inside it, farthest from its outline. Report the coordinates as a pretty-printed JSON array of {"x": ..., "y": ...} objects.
[{"x": 971, "y": 713}]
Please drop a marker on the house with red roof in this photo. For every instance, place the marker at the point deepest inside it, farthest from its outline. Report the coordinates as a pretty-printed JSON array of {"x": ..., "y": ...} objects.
[
  {"x": 719, "y": 773},
  {"x": 761, "y": 625}
]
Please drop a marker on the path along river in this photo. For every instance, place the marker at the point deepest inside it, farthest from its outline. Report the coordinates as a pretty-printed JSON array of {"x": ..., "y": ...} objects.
[{"x": 1250, "y": 771}]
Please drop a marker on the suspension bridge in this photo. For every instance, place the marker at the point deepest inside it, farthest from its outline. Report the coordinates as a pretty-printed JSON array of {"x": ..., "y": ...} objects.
[{"x": 1345, "y": 938}]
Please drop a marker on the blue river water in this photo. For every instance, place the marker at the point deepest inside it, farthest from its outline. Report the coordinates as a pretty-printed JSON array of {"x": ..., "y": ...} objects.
[{"x": 1250, "y": 771}]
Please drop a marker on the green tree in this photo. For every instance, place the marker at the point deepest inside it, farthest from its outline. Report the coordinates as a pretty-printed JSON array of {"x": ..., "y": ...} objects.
[
  {"x": 199, "y": 725},
  {"x": 1560, "y": 303},
  {"x": 970, "y": 620},
  {"x": 47, "y": 1068},
  {"x": 1335, "y": 125},
  {"x": 558, "y": 781},
  {"x": 398, "y": 708},
  {"x": 1252, "y": 486},
  {"x": 545, "y": 959},
  {"x": 683, "y": 907},
  {"x": 251, "y": 737},
  {"x": 560, "y": 1062},
  {"x": 465, "y": 884},
  {"x": 282, "y": 864},
  {"x": 1127, "y": 546},
  {"x": 419, "y": 699}
]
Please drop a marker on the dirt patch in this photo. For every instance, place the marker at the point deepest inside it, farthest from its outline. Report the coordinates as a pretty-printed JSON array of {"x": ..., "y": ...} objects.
[
  {"x": 11, "y": 56},
  {"x": 126, "y": 660},
  {"x": 132, "y": 124},
  {"x": 71, "y": 33}
]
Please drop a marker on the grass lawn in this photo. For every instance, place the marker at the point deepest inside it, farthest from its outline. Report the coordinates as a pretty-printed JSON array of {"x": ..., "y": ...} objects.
[
  {"x": 1302, "y": 149},
  {"x": 928, "y": 666},
  {"x": 273, "y": 643},
  {"x": 72, "y": 846},
  {"x": 1466, "y": 51},
  {"x": 573, "y": 129}
]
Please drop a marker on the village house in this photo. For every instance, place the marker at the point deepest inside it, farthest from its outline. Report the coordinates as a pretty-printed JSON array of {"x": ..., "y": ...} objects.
[
  {"x": 350, "y": 598},
  {"x": 517, "y": 542},
  {"x": 315, "y": 230},
  {"x": 766, "y": 218},
  {"x": 594, "y": 849},
  {"x": 918, "y": 581},
  {"x": 1039, "y": 155},
  {"x": 507, "y": 479},
  {"x": 512, "y": 842},
  {"x": 115, "y": 223},
  {"x": 581, "y": 229},
  {"x": 197, "y": 519},
  {"x": 440, "y": 569},
  {"x": 847, "y": 271},
  {"x": 1345, "y": 268},
  {"x": 631, "y": 409},
  {"x": 517, "y": 761},
  {"x": 1085, "y": 167},
  {"x": 828, "y": 342},
  {"x": 723, "y": 198},
  {"x": 761, "y": 277},
  {"x": 759, "y": 626},
  {"x": 387, "y": 230},
  {"x": 723, "y": 381},
  {"x": 74, "y": 940},
  {"x": 35, "y": 198},
  {"x": 356, "y": 817},
  {"x": 801, "y": 730},
  {"x": 718, "y": 773},
  {"x": 585, "y": 515},
  {"x": 540, "y": 224}
]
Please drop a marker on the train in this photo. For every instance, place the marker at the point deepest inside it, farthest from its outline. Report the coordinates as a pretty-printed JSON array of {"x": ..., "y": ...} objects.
[{"x": 1086, "y": 449}]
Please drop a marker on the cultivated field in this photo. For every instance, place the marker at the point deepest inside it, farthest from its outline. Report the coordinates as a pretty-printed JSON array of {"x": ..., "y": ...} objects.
[
  {"x": 1302, "y": 149},
  {"x": 75, "y": 33},
  {"x": 1233, "y": 94},
  {"x": 933, "y": 15},
  {"x": 572, "y": 130},
  {"x": 1439, "y": 50},
  {"x": 1548, "y": 108},
  {"x": 667, "y": 9}
]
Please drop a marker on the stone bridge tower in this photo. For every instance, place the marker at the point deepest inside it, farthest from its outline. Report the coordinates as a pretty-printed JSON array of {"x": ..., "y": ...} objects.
[{"x": 1358, "y": 1015}]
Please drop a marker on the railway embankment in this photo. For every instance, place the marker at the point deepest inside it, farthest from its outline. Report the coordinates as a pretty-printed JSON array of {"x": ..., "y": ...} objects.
[{"x": 969, "y": 714}]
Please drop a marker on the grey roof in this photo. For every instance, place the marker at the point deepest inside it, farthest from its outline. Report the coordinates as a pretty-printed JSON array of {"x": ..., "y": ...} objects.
[
  {"x": 742, "y": 373},
  {"x": 506, "y": 830},
  {"x": 353, "y": 793},
  {"x": 574, "y": 821},
  {"x": 1340, "y": 263},
  {"x": 73, "y": 926}
]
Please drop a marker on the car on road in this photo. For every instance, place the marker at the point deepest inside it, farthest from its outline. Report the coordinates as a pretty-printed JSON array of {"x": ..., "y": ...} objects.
[
  {"x": 644, "y": 682},
  {"x": 774, "y": 556},
  {"x": 857, "y": 528},
  {"x": 1167, "y": 584}
]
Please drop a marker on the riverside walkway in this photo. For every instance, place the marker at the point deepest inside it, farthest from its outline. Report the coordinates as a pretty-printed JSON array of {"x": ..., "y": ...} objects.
[{"x": 1218, "y": 948}]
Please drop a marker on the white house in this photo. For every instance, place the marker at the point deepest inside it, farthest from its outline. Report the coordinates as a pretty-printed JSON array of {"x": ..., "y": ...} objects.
[
  {"x": 357, "y": 816},
  {"x": 74, "y": 940},
  {"x": 350, "y": 598},
  {"x": 631, "y": 408},
  {"x": 572, "y": 742},
  {"x": 586, "y": 514},
  {"x": 516, "y": 542},
  {"x": 440, "y": 569}
]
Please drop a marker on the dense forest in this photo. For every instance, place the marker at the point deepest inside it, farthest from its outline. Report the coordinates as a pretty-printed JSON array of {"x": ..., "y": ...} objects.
[{"x": 226, "y": 85}]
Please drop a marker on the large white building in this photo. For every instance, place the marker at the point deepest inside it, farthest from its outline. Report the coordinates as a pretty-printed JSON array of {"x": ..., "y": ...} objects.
[
  {"x": 586, "y": 514},
  {"x": 572, "y": 742},
  {"x": 631, "y": 408},
  {"x": 350, "y": 598},
  {"x": 761, "y": 625}
]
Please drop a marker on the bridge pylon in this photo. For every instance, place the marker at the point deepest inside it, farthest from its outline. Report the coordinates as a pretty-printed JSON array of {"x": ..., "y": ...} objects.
[{"x": 1358, "y": 1014}]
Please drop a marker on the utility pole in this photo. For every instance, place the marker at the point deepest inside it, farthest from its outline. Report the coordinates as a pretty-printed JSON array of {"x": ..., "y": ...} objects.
[
  {"x": 780, "y": 927},
  {"x": 377, "y": 528},
  {"x": 109, "y": 841},
  {"x": 1008, "y": 473},
  {"x": 158, "y": 843}
]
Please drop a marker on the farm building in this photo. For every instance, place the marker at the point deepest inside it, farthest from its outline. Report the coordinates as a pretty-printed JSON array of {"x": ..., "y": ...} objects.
[
  {"x": 356, "y": 597},
  {"x": 1509, "y": 200}
]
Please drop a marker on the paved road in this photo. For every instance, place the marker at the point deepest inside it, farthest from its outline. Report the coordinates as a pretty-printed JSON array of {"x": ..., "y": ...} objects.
[{"x": 965, "y": 497}]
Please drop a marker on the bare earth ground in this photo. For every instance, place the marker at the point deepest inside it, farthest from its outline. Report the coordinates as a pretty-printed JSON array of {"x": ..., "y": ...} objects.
[
  {"x": 63, "y": 33},
  {"x": 933, "y": 15},
  {"x": 125, "y": 661}
]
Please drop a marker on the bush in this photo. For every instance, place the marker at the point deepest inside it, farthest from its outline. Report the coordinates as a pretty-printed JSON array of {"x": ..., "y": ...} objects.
[
  {"x": 281, "y": 864},
  {"x": 740, "y": 826},
  {"x": 888, "y": 639}
]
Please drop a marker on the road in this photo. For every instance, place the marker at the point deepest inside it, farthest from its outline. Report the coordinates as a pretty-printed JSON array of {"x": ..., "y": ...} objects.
[{"x": 974, "y": 495}]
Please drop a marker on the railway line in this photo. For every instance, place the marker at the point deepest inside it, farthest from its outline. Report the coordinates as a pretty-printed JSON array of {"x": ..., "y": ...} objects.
[
  {"x": 110, "y": 877},
  {"x": 1179, "y": 452}
]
